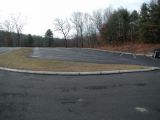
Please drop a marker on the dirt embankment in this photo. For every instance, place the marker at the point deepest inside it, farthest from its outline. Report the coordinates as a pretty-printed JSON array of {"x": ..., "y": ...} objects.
[{"x": 131, "y": 47}]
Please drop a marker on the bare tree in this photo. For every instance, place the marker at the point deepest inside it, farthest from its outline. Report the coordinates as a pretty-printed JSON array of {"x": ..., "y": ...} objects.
[
  {"x": 98, "y": 19},
  {"x": 18, "y": 22},
  {"x": 107, "y": 14},
  {"x": 90, "y": 29},
  {"x": 8, "y": 26},
  {"x": 64, "y": 27},
  {"x": 1, "y": 28},
  {"x": 74, "y": 20},
  {"x": 78, "y": 21}
]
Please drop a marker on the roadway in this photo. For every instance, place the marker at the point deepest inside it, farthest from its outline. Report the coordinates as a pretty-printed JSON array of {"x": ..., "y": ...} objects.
[{"x": 132, "y": 96}]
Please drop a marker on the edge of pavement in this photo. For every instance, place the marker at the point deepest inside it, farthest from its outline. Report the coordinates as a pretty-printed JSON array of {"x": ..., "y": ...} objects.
[{"x": 79, "y": 73}]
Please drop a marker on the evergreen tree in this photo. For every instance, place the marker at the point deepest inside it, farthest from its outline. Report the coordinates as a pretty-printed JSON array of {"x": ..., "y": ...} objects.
[
  {"x": 144, "y": 22},
  {"x": 124, "y": 20},
  {"x": 154, "y": 26},
  {"x": 30, "y": 41},
  {"x": 134, "y": 25},
  {"x": 49, "y": 38},
  {"x": 118, "y": 25}
]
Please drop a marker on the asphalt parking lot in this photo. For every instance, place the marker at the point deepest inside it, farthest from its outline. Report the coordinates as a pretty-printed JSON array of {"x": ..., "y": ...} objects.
[
  {"x": 132, "y": 96},
  {"x": 93, "y": 56},
  {"x": 127, "y": 96},
  {"x": 7, "y": 49}
]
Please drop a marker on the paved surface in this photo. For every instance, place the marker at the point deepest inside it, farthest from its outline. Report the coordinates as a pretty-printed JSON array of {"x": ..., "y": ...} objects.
[
  {"x": 93, "y": 56},
  {"x": 131, "y": 96},
  {"x": 134, "y": 96},
  {"x": 7, "y": 49}
]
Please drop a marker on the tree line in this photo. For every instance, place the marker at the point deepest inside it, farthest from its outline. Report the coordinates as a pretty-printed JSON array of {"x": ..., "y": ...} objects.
[
  {"x": 9, "y": 39},
  {"x": 114, "y": 26},
  {"x": 143, "y": 26},
  {"x": 89, "y": 30}
]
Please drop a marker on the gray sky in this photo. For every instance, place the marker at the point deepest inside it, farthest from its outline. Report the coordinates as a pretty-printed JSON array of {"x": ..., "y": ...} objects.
[{"x": 41, "y": 13}]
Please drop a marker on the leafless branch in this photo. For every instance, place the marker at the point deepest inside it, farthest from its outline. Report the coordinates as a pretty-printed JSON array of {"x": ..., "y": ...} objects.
[{"x": 62, "y": 26}]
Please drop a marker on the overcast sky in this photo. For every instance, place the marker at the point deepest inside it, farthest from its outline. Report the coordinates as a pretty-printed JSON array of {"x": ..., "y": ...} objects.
[{"x": 41, "y": 13}]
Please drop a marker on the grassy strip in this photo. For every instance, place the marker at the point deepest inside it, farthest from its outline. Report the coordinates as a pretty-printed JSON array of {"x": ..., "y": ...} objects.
[{"x": 20, "y": 59}]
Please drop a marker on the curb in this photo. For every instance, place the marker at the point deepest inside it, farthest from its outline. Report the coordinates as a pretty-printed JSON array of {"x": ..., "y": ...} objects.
[{"x": 80, "y": 73}]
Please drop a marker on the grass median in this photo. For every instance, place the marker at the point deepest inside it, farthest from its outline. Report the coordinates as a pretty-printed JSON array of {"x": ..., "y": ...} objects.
[{"x": 19, "y": 59}]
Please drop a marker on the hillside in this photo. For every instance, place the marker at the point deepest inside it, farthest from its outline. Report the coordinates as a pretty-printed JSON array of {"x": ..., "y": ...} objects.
[{"x": 132, "y": 47}]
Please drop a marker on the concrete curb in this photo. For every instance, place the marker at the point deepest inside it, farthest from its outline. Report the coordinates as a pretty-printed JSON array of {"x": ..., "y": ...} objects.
[{"x": 79, "y": 73}]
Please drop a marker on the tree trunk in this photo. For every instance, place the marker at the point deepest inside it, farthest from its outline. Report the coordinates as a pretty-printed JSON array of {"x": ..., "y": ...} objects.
[
  {"x": 66, "y": 42},
  {"x": 18, "y": 39}
]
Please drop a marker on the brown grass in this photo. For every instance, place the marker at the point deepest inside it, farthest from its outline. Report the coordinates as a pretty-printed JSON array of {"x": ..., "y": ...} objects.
[
  {"x": 132, "y": 47},
  {"x": 20, "y": 59}
]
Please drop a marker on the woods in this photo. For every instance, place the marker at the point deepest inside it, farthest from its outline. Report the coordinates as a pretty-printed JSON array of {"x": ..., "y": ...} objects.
[
  {"x": 100, "y": 27},
  {"x": 136, "y": 27}
]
